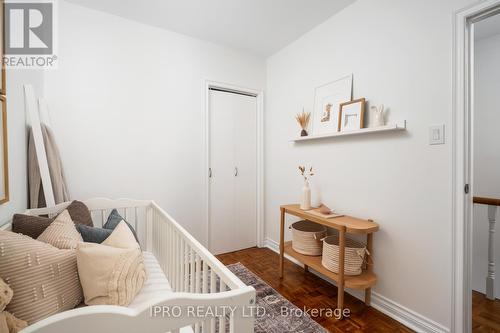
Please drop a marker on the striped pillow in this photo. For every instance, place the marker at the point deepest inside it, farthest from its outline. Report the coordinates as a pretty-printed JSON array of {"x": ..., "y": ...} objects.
[
  {"x": 44, "y": 279},
  {"x": 62, "y": 233}
]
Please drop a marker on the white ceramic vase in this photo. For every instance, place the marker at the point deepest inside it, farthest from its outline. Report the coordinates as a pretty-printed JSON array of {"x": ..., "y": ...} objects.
[
  {"x": 378, "y": 116},
  {"x": 305, "y": 202}
]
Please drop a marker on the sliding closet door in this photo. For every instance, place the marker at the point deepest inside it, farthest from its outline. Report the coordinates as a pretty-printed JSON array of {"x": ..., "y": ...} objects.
[{"x": 233, "y": 181}]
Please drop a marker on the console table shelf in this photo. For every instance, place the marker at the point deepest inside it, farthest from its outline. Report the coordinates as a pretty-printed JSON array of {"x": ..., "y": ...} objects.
[
  {"x": 363, "y": 281},
  {"x": 343, "y": 225}
]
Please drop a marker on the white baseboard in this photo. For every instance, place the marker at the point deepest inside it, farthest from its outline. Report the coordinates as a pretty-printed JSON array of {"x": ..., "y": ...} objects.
[{"x": 405, "y": 316}]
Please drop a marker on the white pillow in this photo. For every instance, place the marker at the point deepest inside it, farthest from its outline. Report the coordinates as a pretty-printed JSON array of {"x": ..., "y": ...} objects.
[{"x": 111, "y": 273}]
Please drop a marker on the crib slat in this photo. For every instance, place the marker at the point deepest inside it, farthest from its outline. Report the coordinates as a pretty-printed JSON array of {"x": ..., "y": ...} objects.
[
  {"x": 182, "y": 263},
  {"x": 191, "y": 270},
  {"x": 222, "y": 319},
  {"x": 180, "y": 278},
  {"x": 207, "y": 326},
  {"x": 186, "y": 268},
  {"x": 171, "y": 254},
  {"x": 167, "y": 242},
  {"x": 157, "y": 233},
  {"x": 205, "y": 277},
  {"x": 136, "y": 225},
  {"x": 213, "y": 290},
  {"x": 103, "y": 217},
  {"x": 174, "y": 260},
  {"x": 198, "y": 274}
]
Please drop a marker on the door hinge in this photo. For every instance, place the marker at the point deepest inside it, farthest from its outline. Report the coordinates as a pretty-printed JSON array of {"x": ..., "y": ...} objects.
[{"x": 466, "y": 188}]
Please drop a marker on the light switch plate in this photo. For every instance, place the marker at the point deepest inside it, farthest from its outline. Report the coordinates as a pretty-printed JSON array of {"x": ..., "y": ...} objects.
[{"x": 436, "y": 134}]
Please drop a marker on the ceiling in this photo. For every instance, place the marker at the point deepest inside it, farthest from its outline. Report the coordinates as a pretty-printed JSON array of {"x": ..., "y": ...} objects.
[
  {"x": 487, "y": 28},
  {"x": 261, "y": 27}
]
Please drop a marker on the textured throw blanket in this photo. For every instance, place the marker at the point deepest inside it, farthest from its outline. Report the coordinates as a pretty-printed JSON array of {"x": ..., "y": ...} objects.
[{"x": 59, "y": 185}]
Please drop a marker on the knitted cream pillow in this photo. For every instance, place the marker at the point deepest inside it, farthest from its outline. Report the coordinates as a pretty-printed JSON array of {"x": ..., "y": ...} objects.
[
  {"x": 44, "y": 279},
  {"x": 111, "y": 273},
  {"x": 61, "y": 233}
]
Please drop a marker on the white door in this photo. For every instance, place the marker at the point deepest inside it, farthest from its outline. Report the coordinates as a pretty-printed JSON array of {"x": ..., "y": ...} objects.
[{"x": 233, "y": 168}]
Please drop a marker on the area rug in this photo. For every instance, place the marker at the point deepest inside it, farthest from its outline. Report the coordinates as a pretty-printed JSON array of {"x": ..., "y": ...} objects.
[{"x": 275, "y": 307}]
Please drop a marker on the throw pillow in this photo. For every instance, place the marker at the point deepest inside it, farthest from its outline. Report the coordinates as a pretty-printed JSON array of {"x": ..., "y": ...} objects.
[
  {"x": 122, "y": 237},
  {"x": 111, "y": 275},
  {"x": 80, "y": 213},
  {"x": 29, "y": 225},
  {"x": 44, "y": 279},
  {"x": 114, "y": 218},
  {"x": 61, "y": 233},
  {"x": 93, "y": 234},
  {"x": 33, "y": 226}
]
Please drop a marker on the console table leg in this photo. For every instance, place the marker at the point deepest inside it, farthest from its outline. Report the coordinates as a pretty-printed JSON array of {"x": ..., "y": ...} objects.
[
  {"x": 282, "y": 242},
  {"x": 368, "y": 296},
  {"x": 341, "y": 282},
  {"x": 369, "y": 267}
]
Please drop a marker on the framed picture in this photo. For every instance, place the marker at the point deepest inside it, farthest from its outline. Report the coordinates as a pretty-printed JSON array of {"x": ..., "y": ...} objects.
[
  {"x": 4, "y": 162},
  {"x": 351, "y": 115},
  {"x": 327, "y": 100}
]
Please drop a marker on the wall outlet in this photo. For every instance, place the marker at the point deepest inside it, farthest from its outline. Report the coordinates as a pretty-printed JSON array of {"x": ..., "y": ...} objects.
[{"x": 436, "y": 134}]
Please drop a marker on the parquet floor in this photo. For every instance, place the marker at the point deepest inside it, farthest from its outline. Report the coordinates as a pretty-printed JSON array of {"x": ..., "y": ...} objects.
[
  {"x": 307, "y": 290},
  {"x": 485, "y": 314}
]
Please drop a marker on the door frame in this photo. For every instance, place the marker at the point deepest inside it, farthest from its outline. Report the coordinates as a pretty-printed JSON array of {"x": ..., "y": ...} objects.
[
  {"x": 463, "y": 84},
  {"x": 259, "y": 95}
]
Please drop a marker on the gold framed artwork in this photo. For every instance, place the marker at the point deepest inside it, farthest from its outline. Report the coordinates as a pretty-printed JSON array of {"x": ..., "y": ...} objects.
[
  {"x": 351, "y": 115},
  {"x": 4, "y": 162}
]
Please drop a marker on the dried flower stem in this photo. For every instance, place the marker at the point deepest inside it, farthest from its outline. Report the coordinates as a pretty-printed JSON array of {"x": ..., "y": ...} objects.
[
  {"x": 303, "y": 119},
  {"x": 305, "y": 174}
]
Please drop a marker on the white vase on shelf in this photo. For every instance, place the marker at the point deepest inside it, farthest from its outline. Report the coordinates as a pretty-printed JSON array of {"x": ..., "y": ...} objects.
[{"x": 305, "y": 202}]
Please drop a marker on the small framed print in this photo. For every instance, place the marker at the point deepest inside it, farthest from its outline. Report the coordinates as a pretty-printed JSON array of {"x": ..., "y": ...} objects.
[{"x": 351, "y": 115}]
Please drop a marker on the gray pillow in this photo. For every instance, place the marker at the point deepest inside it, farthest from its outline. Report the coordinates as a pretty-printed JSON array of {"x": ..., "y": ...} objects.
[
  {"x": 92, "y": 234},
  {"x": 114, "y": 218}
]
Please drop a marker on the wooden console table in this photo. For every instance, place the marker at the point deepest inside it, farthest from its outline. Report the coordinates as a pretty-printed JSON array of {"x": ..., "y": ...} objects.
[{"x": 343, "y": 224}]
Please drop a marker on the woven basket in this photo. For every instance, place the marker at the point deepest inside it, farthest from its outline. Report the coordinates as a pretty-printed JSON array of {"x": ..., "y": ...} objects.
[
  {"x": 354, "y": 255},
  {"x": 306, "y": 237}
]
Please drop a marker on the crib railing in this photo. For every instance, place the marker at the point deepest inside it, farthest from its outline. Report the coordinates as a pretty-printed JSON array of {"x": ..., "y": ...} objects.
[
  {"x": 189, "y": 266},
  {"x": 196, "y": 276}
]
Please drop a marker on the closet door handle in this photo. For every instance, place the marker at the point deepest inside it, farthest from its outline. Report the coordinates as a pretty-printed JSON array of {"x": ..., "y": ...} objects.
[
  {"x": 209, "y": 172},
  {"x": 236, "y": 171}
]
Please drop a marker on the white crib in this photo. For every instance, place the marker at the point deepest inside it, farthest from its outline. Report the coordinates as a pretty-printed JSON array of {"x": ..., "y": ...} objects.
[{"x": 203, "y": 288}]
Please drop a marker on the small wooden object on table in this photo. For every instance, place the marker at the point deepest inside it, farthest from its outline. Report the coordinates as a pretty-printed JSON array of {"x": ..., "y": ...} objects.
[{"x": 343, "y": 224}]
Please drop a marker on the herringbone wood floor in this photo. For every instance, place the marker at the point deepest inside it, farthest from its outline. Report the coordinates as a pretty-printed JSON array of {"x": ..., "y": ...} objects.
[
  {"x": 485, "y": 314},
  {"x": 307, "y": 290}
]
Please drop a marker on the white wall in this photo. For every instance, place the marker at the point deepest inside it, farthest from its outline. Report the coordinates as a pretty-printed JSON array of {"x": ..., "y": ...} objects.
[
  {"x": 127, "y": 106},
  {"x": 16, "y": 127},
  {"x": 486, "y": 154},
  {"x": 401, "y": 55}
]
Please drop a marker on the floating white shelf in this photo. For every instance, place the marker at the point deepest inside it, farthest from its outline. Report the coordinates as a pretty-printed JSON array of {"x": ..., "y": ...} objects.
[{"x": 401, "y": 126}]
